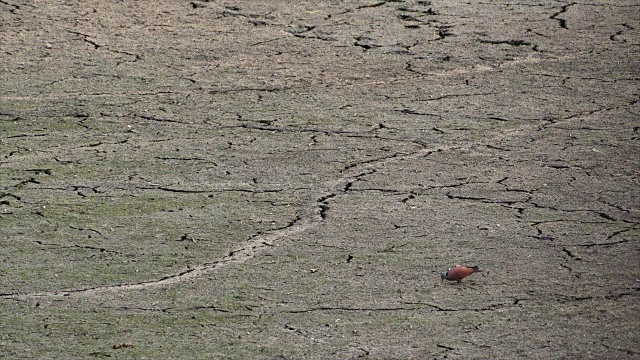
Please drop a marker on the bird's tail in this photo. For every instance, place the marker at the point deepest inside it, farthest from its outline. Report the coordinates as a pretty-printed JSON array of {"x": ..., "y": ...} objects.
[{"x": 476, "y": 269}]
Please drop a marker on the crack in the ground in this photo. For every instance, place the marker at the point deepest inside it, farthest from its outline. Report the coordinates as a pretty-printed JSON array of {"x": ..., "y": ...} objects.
[
  {"x": 443, "y": 31},
  {"x": 364, "y": 162},
  {"x": 249, "y": 89},
  {"x": 211, "y": 307},
  {"x": 605, "y": 243},
  {"x": 350, "y": 309},
  {"x": 184, "y": 191},
  {"x": 377, "y": 4},
  {"x": 563, "y": 9},
  {"x": 425, "y": 190},
  {"x": 365, "y": 43},
  {"x": 571, "y": 254},
  {"x": 131, "y": 308},
  {"x": 412, "y": 195},
  {"x": 556, "y": 120},
  {"x": 154, "y": 118},
  {"x": 86, "y": 229},
  {"x": 615, "y": 206},
  {"x": 78, "y": 189},
  {"x": 14, "y": 7},
  {"x": 620, "y": 32},
  {"x": 4, "y": 195},
  {"x": 234, "y": 11},
  {"x": 316, "y": 131},
  {"x": 563, "y": 299},
  {"x": 26, "y": 135},
  {"x": 600, "y": 213},
  {"x": 448, "y": 348},
  {"x": 636, "y": 291},
  {"x": 448, "y": 96},
  {"x": 30, "y": 180},
  {"x": 412, "y": 306},
  {"x": 300, "y": 30},
  {"x": 181, "y": 158},
  {"x": 96, "y": 144},
  {"x": 627, "y": 351},
  {"x": 384, "y": 191},
  {"x": 249, "y": 250},
  {"x": 609, "y": 237},
  {"x": 490, "y": 307},
  {"x": 512, "y": 42},
  {"x": 482, "y": 199},
  {"x": 323, "y": 203},
  {"x": 39, "y": 171},
  {"x": 541, "y": 236},
  {"x": 87, "y": 38},
  {"x": 409, "y": 111},
  {"x": 213, "y": 191},
  {"x": 566, "y": 267}
]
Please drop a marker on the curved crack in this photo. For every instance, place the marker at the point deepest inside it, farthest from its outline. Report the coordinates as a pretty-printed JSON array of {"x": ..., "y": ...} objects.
[{"x": 250, "y": 249}]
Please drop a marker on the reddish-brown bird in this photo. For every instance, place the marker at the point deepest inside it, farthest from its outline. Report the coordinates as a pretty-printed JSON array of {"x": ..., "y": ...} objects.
[{"x": 458, "y": 273}]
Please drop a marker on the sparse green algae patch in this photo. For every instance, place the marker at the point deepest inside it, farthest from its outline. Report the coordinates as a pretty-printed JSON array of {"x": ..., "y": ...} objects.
[
  {"x": 61, "y": 240},
  {"x": 97, "y": 216},
  {"x": 94, "y": 332}
]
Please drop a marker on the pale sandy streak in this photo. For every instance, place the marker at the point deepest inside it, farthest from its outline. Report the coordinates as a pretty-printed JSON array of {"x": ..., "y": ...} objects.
[{"x": 249, "y": 250}]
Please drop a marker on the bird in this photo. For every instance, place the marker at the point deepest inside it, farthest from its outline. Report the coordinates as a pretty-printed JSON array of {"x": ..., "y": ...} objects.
[{"x": 458, "y": 273}]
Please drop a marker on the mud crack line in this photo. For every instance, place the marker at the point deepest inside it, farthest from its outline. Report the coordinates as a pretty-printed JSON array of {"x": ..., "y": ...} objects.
[{"x": 249, "y": 250}]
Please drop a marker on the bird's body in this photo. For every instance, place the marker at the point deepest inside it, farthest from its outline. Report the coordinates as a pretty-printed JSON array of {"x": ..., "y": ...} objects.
[{"x": 458, "y": 273}]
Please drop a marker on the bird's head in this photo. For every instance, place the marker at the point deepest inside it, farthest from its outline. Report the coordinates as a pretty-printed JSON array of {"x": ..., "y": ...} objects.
[{"x": 443, "y": 275}]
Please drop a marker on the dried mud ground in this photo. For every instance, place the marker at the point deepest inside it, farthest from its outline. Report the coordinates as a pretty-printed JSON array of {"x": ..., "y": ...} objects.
[{"x": 287, "y": 179}]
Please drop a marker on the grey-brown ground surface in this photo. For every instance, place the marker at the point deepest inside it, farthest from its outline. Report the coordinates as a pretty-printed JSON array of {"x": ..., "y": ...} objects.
[{"x": 287, "y": 179}]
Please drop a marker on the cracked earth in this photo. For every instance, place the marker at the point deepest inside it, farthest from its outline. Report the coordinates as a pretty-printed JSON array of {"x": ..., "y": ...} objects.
[{"x": 285, "y": 180}]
